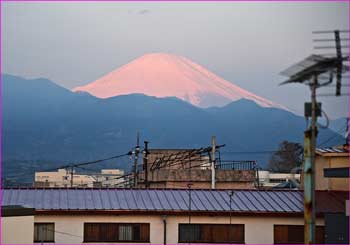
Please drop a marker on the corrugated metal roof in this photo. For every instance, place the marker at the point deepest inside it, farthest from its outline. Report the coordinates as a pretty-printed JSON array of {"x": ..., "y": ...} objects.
[
  {"x": 163, "y": 200},
  {"x": 331, "y": 150}
]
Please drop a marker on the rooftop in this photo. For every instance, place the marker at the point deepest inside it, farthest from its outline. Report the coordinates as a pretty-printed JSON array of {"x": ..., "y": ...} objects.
[
  {"x": 16, "y": 210},
  {"x": 333, "y": 151},
  {"x": 172, "y": 200}
]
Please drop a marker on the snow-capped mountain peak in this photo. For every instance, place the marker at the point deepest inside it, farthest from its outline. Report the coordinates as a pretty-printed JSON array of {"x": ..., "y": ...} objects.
[{"x": 168, "y": 75}]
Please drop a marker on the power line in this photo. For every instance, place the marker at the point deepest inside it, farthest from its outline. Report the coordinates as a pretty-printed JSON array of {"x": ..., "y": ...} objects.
[
  {"x": 64, "y": 233},
  {"x": 254, "y": 152},
  {"x": 333, "y": 95},
  {"x": 332, "y": 137},
  {"x": 72, "y": 165},
  {"x": 88, "y": 169},
  {"x": 334, "y": 85},
  {"x": 101, "y": 160},
  {"x": 330, "y": 31},
  {"x": 329, "y": 40}
]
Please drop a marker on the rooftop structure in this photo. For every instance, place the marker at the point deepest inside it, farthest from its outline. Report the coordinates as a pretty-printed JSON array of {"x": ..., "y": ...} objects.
[
  {"x": 176, "y": 168},
  {"x": 270, "y": 180}
]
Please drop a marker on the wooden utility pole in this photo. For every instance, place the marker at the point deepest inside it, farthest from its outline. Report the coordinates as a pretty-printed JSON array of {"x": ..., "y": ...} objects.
[{"x": 213, "y": 150}]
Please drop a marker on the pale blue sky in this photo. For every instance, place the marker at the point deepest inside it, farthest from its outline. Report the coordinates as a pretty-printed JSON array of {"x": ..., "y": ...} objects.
[{"x": 245, "y": 43}]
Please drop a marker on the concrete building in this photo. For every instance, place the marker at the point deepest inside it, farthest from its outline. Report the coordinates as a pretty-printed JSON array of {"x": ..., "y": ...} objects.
[
  {"x": 176, "y": 168},
  {"x": 269, "y": 179},
  {"x": 164, "y": 216},
  {"x": 332, "y": 159},
  {"x": 62, "y": 178}
]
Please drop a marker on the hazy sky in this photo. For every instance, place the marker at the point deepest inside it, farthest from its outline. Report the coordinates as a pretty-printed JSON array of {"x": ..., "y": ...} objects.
[{"x": 245, "y": 43}]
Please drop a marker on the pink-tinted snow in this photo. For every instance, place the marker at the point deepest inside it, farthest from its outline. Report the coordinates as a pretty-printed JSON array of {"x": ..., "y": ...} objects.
[{"x": 165, "y": 75}]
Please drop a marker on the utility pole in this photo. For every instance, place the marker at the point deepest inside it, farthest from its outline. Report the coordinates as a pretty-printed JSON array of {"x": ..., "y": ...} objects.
[
  {"x": 308, "y": 71},
  {"x": 136, "y": 157},
  {"x": 230, "y": 229},
  {"x": 189, "y": 185},
  {"x": 347, "y": 138},
  {"x": 309, "y": 169},
  {"x": 71, "y": 176},
  {"x": 145, "y": 163},
  {"x": 339, "y": 55},
  {"x": 213, "y": 149},
  {"x": 231, "y": 195}
]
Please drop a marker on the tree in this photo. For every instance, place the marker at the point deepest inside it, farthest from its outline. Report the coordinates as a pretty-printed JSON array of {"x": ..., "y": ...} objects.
[{"x": 288, "y": 156}]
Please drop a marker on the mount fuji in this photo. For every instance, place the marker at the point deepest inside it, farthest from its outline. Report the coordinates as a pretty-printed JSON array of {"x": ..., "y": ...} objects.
[
  {"x": 46, "y": 125},
  {"x": 168, "y": 75}
]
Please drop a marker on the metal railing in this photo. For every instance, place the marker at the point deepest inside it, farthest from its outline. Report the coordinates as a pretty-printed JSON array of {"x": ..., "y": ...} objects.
[{"x": 237, "y": 165}]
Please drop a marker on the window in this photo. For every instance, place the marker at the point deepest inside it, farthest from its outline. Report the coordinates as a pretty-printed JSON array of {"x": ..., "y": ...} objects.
[
  {"x": 211, "y": 233},
  {"x": 125, "y": 233},
  {"x": 284, "y": 234},
  {"x": 44, "y": 232},
  {"x": 116, "y": 232},
  {"x": 277, "y": 180}
]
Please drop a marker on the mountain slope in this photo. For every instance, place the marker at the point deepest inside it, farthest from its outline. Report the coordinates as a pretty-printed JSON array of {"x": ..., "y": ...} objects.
[
  {"x": 55, "y": 124},
  {"x": 167, "y": 75}
]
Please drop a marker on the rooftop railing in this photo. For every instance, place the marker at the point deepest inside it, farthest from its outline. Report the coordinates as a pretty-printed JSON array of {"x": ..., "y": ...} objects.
[{"x": 237, "y": 165}]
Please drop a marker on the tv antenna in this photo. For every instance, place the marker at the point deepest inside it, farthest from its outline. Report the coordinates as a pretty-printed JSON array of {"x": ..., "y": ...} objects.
[{"x": 316, "y": 71}]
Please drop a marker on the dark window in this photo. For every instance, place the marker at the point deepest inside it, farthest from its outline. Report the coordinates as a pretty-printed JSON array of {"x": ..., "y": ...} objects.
[
  {"x": 44, "y": 232},
  {"x": 211, "y": 233},
  {"x": 116, "y": 232},
  {"x": 277, "y": 180},
  {"x": 284, "y": 234}
]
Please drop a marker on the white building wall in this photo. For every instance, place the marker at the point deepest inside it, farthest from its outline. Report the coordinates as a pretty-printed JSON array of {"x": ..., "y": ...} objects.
[
  {"x": 62, "y": 178},
  {"x": 257, "y": 229},
  {"x": 270, "y": 179},
  {"x": 17, "y": 230},
  {"x": 70, "y": 228}
]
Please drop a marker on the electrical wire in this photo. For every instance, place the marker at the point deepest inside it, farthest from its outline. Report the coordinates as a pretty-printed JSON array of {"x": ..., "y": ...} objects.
[
  {"x": 87, "y": 169},
  {"x": 72, "y": 165},
  {"x": 64, "y": 233},
  {"x": 327, "y": 121},
  {"x": 101, "y": 160},
  {"x": 332, "y": 137},
  {"x": 254, "y": 152},
  {"x": 334, "y": 85},
  {"x": 330, "y": 94}
]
